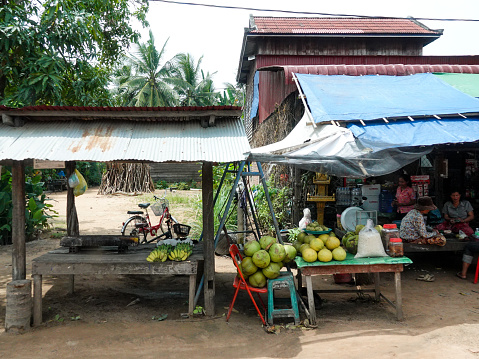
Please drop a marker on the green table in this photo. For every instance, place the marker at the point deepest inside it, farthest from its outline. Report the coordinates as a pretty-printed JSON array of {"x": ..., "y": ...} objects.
[{"x": 351, "y": 265}]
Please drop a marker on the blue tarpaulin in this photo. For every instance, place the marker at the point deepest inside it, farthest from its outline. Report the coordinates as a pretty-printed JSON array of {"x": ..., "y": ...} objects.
[
  {"x": 353, "y": 98},
  {"x": 426, "y": 132}
]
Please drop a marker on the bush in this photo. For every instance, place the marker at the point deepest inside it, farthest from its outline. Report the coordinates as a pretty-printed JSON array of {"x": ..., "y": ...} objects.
[
  {"x": 161, "y": 185},
  {"x": 281, "y": 201},
  {"x": 37, "y": 211}
]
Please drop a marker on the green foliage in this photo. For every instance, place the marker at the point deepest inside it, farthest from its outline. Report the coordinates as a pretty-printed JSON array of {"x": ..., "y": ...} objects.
[
  {"x": 37, "y": 211},
  {"x": 60, "y": 52},
  {"x": 141, "y": 79},
  {"x": 92, "y": 172},
  {"x": 281, "y": 201},
  {"x": 162, "y": 185},
  {"x": 232, "y": 95},
  {"x": 193, "y": 87}
]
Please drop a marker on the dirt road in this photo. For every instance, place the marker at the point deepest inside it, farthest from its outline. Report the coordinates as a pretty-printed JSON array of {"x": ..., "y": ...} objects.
[{"x": 116, "y": 317}]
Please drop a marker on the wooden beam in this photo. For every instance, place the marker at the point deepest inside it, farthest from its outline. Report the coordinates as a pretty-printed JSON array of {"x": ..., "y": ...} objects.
[
  {"x": 127, "y": 114},
  {"x": 19, "y": 268},
  {"x": 208, "y": 238},
  {"x": 72, "y": 217}
]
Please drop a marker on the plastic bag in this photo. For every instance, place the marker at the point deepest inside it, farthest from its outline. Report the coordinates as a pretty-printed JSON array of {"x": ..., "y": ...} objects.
[
  {"x": 81, "y": 187},
  {"x": 306, "y": 219},
  {"x": 369, "y": 242},
  {"x": 73, "y": 180}
]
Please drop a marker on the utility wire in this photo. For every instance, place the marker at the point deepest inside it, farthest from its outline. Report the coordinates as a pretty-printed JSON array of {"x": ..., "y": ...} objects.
[{"x": 309, "y": 13}]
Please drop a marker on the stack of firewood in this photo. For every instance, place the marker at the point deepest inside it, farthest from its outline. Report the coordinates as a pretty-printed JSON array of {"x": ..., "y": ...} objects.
[{"x": 127, "y": 178}]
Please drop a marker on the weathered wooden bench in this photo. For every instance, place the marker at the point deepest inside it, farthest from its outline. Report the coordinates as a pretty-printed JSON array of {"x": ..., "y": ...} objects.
[
  {"x": 107, "y": 261},
  {"x": 452, "y": 245},
  {"x": 76, "y": 243}
]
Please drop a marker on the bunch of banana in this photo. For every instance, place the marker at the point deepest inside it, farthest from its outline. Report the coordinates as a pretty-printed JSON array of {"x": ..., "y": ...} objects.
[
  {"x": 181, "y": 252},
  {"x": 160, "y": 253}
]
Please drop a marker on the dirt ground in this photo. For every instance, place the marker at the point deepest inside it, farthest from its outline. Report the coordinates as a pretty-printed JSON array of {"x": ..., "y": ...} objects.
[{"x": 116, "y": 317}]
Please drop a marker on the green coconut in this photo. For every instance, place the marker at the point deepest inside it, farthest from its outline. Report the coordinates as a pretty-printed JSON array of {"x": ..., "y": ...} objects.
[
  {"x": 251, "y": 247},
  {"x": 266, "y": 242},
  {"x": 290, "y": 253},
  {"x": 248, "y": 266},
  {"x": 272, "y": 271},
  {"x": 257, "y": 280},
  {"x": 261, "y": 259},
  {"x": 277, "y": 252}
]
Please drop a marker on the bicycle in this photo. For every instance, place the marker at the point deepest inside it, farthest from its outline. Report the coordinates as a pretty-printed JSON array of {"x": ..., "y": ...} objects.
[{"x": 140, "y": 225}]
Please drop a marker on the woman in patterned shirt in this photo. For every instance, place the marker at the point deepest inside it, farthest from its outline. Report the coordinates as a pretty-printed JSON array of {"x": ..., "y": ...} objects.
[
  {"x": 405, "y": 196},
  {"x": 413, "y": 228}
]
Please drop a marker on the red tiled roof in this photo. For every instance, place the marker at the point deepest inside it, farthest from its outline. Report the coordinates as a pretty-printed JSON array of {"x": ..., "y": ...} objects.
[
  {"x": 311, "y": 25},
  {"x": 360, "y": 70}
]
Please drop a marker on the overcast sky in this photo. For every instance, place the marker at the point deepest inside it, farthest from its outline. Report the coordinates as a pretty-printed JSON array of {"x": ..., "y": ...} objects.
[{"x": 217, "y": 34}]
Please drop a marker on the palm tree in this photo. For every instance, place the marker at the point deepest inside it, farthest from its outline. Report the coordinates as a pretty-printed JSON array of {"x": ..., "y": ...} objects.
[
  {"x": 143, "y": 80},
  {"x": 232, "y": 95},
  {"x": 193, "y": 87}
]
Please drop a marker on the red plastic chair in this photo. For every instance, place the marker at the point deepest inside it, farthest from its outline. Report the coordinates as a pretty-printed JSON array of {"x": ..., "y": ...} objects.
[
  {"x": 477, "y": 271},
  {"x": 241, "y": 283}
]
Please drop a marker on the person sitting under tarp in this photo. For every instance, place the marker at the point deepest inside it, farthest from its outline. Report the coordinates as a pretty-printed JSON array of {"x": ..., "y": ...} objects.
[
  {"x": 457, "y": 215},
  {"x": 413, "y": 228}
]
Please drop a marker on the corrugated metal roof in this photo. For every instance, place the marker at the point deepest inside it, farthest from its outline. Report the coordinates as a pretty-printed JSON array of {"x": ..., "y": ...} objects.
[
  {"x": 110, "y": 140},
  {"x": 360, "y": 70},
  {"x": 311, "y": 25}
]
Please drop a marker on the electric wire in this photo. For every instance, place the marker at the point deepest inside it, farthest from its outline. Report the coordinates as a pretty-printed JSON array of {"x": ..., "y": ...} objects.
[{"x": 312, "y": 13}]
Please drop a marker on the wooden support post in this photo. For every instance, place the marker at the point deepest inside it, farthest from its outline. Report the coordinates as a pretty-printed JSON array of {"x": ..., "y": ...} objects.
[
  {"x": 397, "y": 282},
  {"x": 73, "y": 229},
  {"x": 311, "y": 305},
  {"x": 37, "y": 299},
  {"x": 377, "y": 288},
  {"x": 297, "y": 212},
  {"x": 191, "y": 295},
  {"x": 71, "y": 284},
  {"x": 208, "y": 238},
  {"x": 19, "y": 267}
]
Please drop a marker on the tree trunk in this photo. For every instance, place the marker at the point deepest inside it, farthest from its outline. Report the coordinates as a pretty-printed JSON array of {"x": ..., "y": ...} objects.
[{"x": 126, "y": 178}]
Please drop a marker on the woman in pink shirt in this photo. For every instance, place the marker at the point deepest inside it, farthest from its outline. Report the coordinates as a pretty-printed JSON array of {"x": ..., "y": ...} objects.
[{"x": 405, "y": 196}]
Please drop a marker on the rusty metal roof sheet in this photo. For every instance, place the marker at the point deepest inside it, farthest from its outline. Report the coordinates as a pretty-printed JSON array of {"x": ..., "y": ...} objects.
[
  {"x": 331, "y": 25},
  {"x": 112, "y": 140},
  {"x": 360, "y": 70}
]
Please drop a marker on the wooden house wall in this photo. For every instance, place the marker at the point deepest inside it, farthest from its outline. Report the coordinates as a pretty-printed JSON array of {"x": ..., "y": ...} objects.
[
  {"x": 175, "y": 172},
  {"x": 319, "y": 46}
]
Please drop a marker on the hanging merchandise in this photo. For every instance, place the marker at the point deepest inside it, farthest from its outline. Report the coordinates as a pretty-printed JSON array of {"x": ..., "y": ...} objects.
[
  {"x": 73, "y": 180},
  {"x": 82, "y": 186},
  {"x": 420, "y": 185}
]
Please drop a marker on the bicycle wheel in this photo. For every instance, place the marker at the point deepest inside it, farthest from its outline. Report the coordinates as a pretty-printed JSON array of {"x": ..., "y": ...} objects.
[{"x": 132, "y": 227}]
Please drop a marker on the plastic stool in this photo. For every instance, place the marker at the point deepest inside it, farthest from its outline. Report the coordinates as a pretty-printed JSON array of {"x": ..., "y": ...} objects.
[{"x": 285, "y": 280}]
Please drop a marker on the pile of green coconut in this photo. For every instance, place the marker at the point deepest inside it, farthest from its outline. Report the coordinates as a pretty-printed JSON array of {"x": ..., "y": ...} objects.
[{"x": 264, "y": 259}]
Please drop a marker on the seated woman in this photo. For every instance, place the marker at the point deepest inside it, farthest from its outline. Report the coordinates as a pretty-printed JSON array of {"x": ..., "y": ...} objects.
[
  {"x": 457, "y": 215},
  {"x": 413, "y": 228}
]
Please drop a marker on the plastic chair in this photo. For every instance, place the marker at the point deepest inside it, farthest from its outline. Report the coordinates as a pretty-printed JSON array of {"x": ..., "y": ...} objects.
[
  {"x": 477, "y": 271},
  {"x": 241, "y": 283}
]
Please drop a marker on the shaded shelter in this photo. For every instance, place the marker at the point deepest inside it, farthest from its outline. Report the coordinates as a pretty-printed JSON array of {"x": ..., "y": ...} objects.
[
  {"x": 362, "y": 126},
  {"x": 127, "y": 134}
]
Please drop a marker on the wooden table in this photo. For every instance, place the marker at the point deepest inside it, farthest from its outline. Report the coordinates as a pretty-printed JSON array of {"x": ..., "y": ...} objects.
[
  {"x": 109, "y": 262},
  {"x": 352, "y": 265}
]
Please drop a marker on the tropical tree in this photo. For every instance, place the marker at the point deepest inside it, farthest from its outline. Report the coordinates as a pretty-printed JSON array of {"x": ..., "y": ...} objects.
[
  {"x": 194, "y": 88},
  {"x": 142, "y": 78},
  {"x": 232, "y": 95},
  {"x": 60, "y": 52}
]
